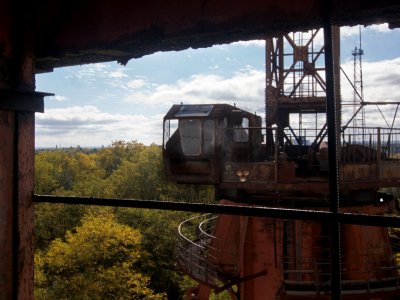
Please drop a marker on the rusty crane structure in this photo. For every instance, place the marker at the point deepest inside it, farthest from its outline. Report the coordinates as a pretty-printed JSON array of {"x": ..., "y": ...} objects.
[
  {"x": 38, "y": 36},
  {"x": 285, "y": 165}
]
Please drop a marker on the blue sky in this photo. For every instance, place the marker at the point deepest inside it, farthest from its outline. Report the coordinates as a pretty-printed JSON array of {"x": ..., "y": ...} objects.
[{"x": 99, "y": 103}]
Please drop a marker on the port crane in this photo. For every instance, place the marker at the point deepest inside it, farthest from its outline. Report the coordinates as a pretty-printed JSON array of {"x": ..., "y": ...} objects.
[{"x": 285, "y": 164}]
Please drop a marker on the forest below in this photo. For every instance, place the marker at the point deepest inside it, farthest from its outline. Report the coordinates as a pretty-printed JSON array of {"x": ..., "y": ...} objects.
[
  {"x": 88, "y": 252},
  {"x": 92, "y": 252}
]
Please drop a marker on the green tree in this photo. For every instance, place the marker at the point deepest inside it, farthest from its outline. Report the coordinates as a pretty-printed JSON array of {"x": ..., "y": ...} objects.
[
  {"x": 159, "y": 230},
  {"x": 66, "y": 172},
  {"x": 54, "y": 220},
  {"x": 101, "y": 260},
  {"x": 123, "y": 170},
  {"x": 45, "y": 181}
]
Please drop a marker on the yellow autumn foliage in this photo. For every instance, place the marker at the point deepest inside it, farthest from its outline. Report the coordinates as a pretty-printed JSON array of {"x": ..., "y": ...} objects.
[{"x": 100, "y": 260}]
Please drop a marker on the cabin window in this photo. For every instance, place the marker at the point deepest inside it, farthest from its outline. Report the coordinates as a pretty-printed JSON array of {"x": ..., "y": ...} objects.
[
  {"x": 241, "y": 132},
  {"x": 208, "y": 137},
  {"x": 190, "y": 132},
  {"x": 170, "y": 127}
]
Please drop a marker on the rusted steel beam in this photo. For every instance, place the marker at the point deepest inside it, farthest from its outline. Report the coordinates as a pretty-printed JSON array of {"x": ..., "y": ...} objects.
[
  {"x": 241, "y": 210},
  {"x": 131, "y": 29},
  {"x": 24, "y": 214},
  {"x": 18, "y": 102},
  {"x": 332, "y": 63},
  {"x": 16, "y": 208},
  {"x": 7, "y": 121},
  {"x": 22, "y": 100}
]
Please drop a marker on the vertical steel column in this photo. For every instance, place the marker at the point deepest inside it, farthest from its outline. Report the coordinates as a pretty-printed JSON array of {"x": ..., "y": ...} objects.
[
  {"x": 17, "y": 157},
  {"x": 16, "y": 201},
  {"x": 331, "y": 115},
  {"x": 6, "y": 210},
  {"x": 17, "y": 154}
]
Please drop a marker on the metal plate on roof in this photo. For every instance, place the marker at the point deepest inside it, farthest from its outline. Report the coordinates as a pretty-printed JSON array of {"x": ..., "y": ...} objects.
[{"x": 201, "y": 110}]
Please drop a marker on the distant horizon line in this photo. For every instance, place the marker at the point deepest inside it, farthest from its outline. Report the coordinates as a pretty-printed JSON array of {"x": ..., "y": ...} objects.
[{"x": 83, "y": 147}]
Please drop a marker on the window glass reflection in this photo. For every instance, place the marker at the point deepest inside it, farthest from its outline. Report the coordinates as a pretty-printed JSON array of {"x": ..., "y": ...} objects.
[
  {"x": 209, "y": 137},
  {"x": 241, "y": 132},
  {"x": 190, "y": 131}
]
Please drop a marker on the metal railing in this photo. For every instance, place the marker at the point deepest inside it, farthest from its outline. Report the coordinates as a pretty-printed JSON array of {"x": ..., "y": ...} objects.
[
  {"x": 311, "y": 276},
  {"x": 202, "y": 255},
  {"x": 370, "y": 144},
  {"x": 195, "y": 253},
  {"x": 358, "y": 144}
]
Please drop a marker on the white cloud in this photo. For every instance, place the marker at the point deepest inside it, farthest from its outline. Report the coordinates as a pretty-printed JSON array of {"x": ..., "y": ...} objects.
[
  {"x": 136, "y": 83},
  {"x": 245, "y": 88},
  {"x": 57, "y": 98},
  {"x": 117, "y": 74},
  {"x": 93, "y": 75},
  {"x": 214, "y": 67},
  {"x": 97, "y": 71},
  {"x": 381, "y": 84},
  {"x": 257, "y": 43},
  {"x": 348, "y": 32},
  {"x": 384, "y": 28},
  {"x": 381, "y": 79},
  {"x": 87, "y": 71},
  {"x": 88, "y": 126}
]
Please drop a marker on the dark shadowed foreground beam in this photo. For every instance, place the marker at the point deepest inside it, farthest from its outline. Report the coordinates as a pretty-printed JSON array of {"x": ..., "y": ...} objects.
[
  {"x": 79, "y": 32},
  {"x": 254, "y": 211},
  {"x": 17, "y": 158}
]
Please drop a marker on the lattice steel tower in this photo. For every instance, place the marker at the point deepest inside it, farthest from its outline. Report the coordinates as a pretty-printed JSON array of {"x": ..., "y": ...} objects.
[{"x": 358, "y": 93}]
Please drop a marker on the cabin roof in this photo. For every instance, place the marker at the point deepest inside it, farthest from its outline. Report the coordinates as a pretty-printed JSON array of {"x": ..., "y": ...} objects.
[{"x": 212, "y": 111}]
